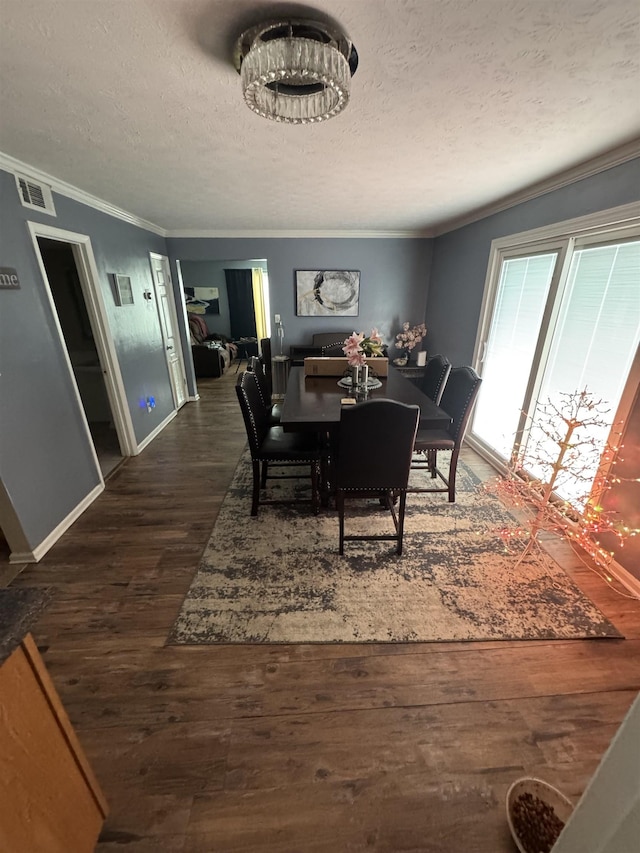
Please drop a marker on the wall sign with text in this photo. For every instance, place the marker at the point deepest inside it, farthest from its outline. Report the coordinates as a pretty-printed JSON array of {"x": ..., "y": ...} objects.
[{"x": 9, "y": 279}]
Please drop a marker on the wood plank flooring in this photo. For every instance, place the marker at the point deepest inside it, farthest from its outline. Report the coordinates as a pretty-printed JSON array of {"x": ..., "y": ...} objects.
[{"x": 316, "y": 749}]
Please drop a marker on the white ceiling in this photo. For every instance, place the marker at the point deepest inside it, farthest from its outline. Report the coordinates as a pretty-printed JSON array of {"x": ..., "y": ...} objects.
[{"x": 455, "y": 105}]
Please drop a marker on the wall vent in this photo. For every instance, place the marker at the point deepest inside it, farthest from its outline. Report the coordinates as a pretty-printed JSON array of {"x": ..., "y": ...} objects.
[{"x": 35, "y": 195}]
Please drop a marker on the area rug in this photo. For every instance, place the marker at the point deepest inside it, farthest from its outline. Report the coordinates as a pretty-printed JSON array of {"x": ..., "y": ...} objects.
[{"x": 278, "y": 577}]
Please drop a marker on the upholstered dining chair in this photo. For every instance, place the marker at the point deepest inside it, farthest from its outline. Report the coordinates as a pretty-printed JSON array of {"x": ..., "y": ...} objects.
[
  {"x": 435, "y": 377},
  {"x": 274, "y": 409},
  {"x": 457, "y": 400},
  {"x": 334, "y": 350},
  {"x": 270, "y": 445},
  {"x": 265, "y": 358},
  {"x": 373, "y": 459}
]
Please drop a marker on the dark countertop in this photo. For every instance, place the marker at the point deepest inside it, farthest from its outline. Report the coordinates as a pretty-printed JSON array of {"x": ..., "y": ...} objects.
[{"x": 20, "y": 608}]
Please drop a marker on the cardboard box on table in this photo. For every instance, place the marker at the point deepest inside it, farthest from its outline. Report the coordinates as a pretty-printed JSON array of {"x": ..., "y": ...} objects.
[{"x": 330, "y": 366}]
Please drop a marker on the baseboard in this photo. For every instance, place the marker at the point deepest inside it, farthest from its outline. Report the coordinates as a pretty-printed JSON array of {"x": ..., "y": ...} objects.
[
  {"x": 40, "y": 550},
  {"x": 155, "y": 432}
]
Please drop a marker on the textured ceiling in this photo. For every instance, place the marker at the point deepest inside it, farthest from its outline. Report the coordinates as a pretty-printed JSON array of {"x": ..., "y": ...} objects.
[{"x": 455, "y": 104}]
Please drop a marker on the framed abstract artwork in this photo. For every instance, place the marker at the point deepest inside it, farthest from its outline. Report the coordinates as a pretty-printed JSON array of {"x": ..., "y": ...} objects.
[{"x": 327, "y": 293}]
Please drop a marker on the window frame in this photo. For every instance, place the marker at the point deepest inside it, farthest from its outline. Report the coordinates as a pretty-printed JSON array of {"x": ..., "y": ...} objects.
[{"x": 615, "y": 225}]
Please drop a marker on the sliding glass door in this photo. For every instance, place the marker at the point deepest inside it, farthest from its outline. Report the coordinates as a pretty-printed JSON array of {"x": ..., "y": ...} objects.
[
  {"x": 562, "y": 318},
  {"x": 523, "y": 289}
]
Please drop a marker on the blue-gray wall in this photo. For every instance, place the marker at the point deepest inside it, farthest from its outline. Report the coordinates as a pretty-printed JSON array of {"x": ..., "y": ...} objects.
[
  {"x": 46, "y": 464},
  {"x": 460, "y": 258},
  {"x": 393, "y": 282}
]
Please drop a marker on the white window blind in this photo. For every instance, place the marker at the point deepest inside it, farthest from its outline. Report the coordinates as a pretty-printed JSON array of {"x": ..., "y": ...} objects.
[
  {"x": 565, "y": 318},
  {"x": 595, "y": 338},
  {"x": 520, "y": 302}
]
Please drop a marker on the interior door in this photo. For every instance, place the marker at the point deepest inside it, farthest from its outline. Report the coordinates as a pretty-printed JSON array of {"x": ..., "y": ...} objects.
[{"x": 169, "y": 327}]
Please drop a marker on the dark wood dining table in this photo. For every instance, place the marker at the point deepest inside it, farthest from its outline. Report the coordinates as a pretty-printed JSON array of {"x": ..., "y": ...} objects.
[{"x": 313, "y": 403}]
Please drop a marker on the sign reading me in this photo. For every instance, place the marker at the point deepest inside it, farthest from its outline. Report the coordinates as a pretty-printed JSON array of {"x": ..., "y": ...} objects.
[{"x": 9, "y": 279}]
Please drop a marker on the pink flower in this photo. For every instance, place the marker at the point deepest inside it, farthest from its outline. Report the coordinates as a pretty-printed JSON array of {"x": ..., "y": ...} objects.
[
  {"x": 357, "y": 347},
  {"x": 409, "y": 337},
  {"x": 356, "y": 359},
  {"x": 375, "y": 337}
]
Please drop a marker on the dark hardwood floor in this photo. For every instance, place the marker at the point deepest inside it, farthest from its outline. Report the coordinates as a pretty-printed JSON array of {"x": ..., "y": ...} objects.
[{"x": 384, "y": 748}]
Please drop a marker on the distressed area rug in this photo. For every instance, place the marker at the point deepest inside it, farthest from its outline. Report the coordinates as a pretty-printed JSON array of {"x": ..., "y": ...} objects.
[{"x": 278, "y": 578}]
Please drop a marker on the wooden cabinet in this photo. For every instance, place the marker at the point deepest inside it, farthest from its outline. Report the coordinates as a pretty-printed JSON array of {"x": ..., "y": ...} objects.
[{"x": 51, "y": 801}]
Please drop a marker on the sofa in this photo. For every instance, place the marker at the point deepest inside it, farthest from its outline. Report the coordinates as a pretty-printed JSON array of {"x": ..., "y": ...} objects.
[
  {"x": 209, "y": 361},
  {"x": 212, "y": 352}
]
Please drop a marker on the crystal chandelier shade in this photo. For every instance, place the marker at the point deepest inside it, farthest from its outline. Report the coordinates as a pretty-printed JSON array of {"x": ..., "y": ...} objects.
[{"x": 298, "y": 72}]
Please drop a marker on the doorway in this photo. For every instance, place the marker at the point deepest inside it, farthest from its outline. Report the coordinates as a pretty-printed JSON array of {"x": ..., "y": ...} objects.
[
  {"x": 227, "y": 300},
  {"x": 63, "y": 276}
]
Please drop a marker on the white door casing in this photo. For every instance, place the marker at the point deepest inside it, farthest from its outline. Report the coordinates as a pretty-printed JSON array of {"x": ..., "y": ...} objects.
[
  {"x": 89, "y": 281},
  {"x": 169, "y": 326}
]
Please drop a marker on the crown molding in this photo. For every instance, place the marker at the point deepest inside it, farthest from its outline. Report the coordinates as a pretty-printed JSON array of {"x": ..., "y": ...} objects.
[
  {"x": 616, "y": 157},
  {"x": 11, "y": 164},
  {"x": 292, "y": 235},
  {"x": 622, "y": 154}
]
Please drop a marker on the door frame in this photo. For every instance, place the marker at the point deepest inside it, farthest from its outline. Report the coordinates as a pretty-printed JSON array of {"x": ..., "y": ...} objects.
[
  {"x": 103, "y": 339},
  {"x": 155, "y": 256}
]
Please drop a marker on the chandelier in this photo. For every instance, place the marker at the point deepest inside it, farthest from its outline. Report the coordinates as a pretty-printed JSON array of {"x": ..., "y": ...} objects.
[{"x": 295, "y": 71}]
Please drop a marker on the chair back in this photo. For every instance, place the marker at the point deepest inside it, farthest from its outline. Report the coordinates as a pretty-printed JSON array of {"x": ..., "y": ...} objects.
[
  {"x": 435, "y": 377},
  {"x": 256, "y": 367},
  {"x": 333, "y": 350},
  {"x": 375, "y": 443},
  {"x": 254, "y": 413},
  {"x": 458, "y": 398},
  {"x": 265, "y": 349}
]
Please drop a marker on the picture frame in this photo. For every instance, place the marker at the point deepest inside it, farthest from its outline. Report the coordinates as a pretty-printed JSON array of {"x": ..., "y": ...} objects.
[
  {"x": 202, "y": 300},
  {"x": 122, "y": 289},
  {"x": 327, "y": 293}
]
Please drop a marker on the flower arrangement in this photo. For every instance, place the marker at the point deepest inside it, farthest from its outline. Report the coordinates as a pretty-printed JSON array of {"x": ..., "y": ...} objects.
[
  {"x": 410, "y": 336},
  {"x": 358, "y": 348}
]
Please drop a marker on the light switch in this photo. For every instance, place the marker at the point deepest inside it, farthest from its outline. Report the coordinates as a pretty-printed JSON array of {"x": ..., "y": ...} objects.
[{"x": 277, "y": 318}]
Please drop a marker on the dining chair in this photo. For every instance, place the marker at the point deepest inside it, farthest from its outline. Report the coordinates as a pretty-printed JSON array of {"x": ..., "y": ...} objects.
[
  {"x": 274, "y": 409},
  {"x": 334, "y": 350},
  {"x": 435, "y": 377},
  {"x": 457, "y": 401},
  {"x": 373, "y": 458},
  {"x": 265, "y": 358},
  {"x": 270, "y": 445}
]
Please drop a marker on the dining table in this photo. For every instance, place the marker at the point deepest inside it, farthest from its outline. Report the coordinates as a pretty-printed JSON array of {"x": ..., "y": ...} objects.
[{"x": 314, "y": 403}]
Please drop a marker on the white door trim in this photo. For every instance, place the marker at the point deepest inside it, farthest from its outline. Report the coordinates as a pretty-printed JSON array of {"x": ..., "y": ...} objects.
[
  {"x": 154, "y": 256},
  {"x": 96, "y": 308}
]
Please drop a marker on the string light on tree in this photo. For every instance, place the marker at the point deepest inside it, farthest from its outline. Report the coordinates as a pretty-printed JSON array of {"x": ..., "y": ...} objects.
[{"x": 564, "y": 447}]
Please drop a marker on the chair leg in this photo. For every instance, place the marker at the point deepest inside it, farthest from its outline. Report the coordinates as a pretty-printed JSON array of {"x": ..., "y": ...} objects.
[
  {"x": 265, "y": 469},
  {"x": 256, "y": 487},
  {"x": 433, "y": 462},
  {"x": 315, "y": 488},
  {"x": 452, "y": 474},
  {"x": 401, "y": 508},
  {"x": 340, "y": 508}
]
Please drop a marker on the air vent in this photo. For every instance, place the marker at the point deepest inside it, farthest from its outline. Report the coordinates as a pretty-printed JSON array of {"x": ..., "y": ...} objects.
[{"x": 34, "y": 195}]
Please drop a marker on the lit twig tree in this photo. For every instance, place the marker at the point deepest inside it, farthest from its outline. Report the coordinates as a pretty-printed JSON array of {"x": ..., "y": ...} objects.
[{"x": 567, "y": 443}]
